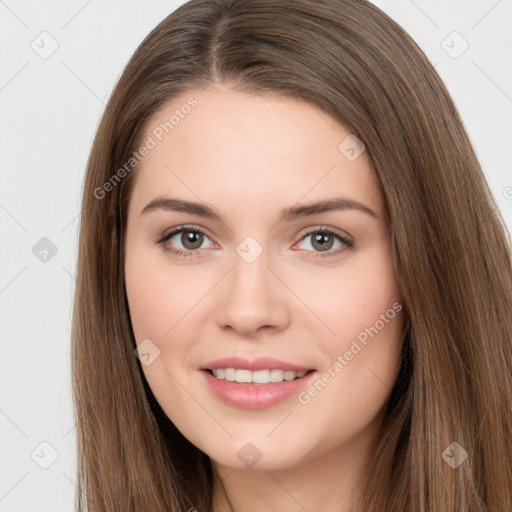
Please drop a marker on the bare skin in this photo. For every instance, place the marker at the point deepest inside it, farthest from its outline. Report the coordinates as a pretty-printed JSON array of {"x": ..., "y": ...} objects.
[{"x": 300, "y": 301}]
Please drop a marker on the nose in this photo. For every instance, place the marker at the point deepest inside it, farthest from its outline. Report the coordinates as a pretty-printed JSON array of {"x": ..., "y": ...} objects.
[{"x": 252, "y": 298}]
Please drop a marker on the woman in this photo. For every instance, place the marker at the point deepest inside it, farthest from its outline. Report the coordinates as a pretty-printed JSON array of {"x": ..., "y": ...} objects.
[{"x": 295, "y": 285}]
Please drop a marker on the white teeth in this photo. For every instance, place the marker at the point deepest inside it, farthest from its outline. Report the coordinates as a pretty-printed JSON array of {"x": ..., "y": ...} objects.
[
  {"x": 243, "y": 376},
  {"x": 256, "y": 377},
  {"x": 229, "y": 374},
  {"x": 276, "y": 375},
  {"x": 261, "y": 376}
]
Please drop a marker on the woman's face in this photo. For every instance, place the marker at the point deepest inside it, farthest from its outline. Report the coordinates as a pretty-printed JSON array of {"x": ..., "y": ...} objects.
[{"x": 267, "y": 271}]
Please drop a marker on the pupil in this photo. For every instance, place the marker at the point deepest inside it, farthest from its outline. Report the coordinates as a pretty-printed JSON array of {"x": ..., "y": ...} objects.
[
  {"x": 193, "y": 238},
  {"x": 323, "y": 240}
]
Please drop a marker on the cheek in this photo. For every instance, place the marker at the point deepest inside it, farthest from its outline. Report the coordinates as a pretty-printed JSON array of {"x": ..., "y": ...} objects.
[
  {"x": 361, "y": 306},
  {"x": 156, "y": 304},
  {"x": 365, "y": 311},
  {"x": 163, "y": 302},
  {"x": 157, "y": 294},
  {"x": 147, "y": 306},
  {"x": 351, "y": 298}
]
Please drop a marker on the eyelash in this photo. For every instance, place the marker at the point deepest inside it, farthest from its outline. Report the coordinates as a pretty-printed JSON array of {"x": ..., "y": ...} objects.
[{"x": 349, "y": 244}]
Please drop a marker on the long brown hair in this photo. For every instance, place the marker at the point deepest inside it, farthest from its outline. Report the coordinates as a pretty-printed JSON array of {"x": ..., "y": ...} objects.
[{"x": 451, "y": 256}]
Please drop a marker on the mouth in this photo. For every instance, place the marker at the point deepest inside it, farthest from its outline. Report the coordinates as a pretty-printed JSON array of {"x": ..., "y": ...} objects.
[
  {"x": 258, "y": 383},
  {"x": 257, "y": 377}
]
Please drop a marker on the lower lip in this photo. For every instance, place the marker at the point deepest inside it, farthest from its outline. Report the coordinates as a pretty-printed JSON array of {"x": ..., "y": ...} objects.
[{"x": 255, "y": 396}]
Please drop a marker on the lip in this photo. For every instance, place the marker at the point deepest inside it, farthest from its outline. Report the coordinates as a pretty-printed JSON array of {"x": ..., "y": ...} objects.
[
  {"x": 255, "y": 396},
  {"x": 261, "y": 363}
]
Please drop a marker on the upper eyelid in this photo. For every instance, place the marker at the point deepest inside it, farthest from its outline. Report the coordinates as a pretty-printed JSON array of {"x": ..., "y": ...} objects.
[{"x": 178, "y": 229}]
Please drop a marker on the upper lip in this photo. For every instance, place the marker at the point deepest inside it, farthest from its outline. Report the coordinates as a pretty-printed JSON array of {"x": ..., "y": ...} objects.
[{"x": 260, "y": 363}]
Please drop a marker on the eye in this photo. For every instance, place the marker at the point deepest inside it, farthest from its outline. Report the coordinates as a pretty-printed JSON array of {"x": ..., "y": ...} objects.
[
  {"x": 323, "y": 239},
  {"x": 190, "y": 239}
]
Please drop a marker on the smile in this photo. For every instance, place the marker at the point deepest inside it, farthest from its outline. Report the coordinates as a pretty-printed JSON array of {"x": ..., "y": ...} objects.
[
  {"x": 243, "y": 376},
  {"x": 244, "y": 391}
]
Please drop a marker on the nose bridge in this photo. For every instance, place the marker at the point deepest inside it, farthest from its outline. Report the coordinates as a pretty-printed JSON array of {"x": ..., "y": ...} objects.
[
  {"x": 250, "y": 288},
  {"x": 252, "y": 298},
  {"x": 250, "y": 272}
]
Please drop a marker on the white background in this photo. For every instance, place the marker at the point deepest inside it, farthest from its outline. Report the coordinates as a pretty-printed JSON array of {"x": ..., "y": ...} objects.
[{"x": 49, "y": 111}]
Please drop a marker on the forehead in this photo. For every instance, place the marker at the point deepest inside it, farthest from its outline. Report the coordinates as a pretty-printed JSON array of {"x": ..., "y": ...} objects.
[{"x": 228, "y": 145}]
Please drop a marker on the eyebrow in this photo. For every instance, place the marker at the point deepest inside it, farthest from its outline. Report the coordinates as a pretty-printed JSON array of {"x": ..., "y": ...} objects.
[{"x": 286, "y": 214}]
